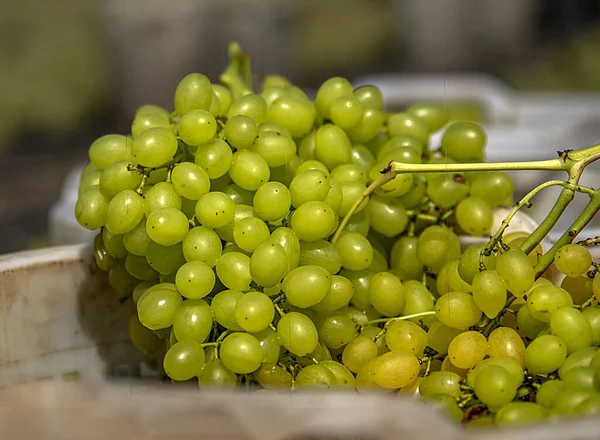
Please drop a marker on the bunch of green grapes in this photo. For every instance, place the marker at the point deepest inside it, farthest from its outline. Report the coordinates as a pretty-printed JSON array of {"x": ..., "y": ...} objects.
[{"x": 217, "y": 220}]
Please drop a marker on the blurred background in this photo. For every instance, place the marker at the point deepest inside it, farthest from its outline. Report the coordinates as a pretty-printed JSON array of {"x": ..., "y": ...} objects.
[{"x": 73, "y": 70}]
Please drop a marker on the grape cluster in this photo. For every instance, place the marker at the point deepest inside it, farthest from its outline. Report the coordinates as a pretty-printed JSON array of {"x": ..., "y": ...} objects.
[{"x": 217, "y": 221}]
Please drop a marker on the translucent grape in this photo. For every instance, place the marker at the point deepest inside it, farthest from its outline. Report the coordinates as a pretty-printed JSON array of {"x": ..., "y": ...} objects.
[
  {"x": 275, "y": 149},
  {"x": 416, "y": 193},
  {"x": 403, "y": 257},
  {"x": 251, "y": 105},
  {"x": 387, "y": 216},
  {"x": 274, "y": 127},
  {"x": 197, "y": 127},
  {"x": 157, "y": 309},
  {"x": 165, "y": 259},
  {"x": 494, "y": 187},
  {"x": 195, "y": 280},
  {"x": 337, "y": 330},
  {"x": 239, "y": 195},
  {"x": 370, "y": 97},
  {"x": 573, "y": 260},
  {"x": 447, "y": 404},
  {"x": 272, "y": 201},
  {"x": 139, "y": 268},
  {"x": 568, "y": 401},
  {"x": 400, "y": 186},
  {"x": 447, "y": 191},
  {"x": 298, "y": 116},
  {"x": 92, "y": 179},
  {"x": 184, "y": 360},
  {"x": 356, "y": 251},
  {"x": 121, "y": 280},
  {"x": 315, "y": 376},
  {"x": 272, "y": 376},
  {"x": 194, "y": 91},
  {"x": 193, "y": 321},
  {"x": 225, "y": 98},
  {"x": 309, "y": 185},
  {"x": 467, "y": 349},
  {"x": 313, "y": 221},
  {"x": 516, "y": 269},
  {"x": 362, "y": 157},
  {"x": 223, "y": 307},
  {"x": 124, "y": 212},
  {"x": 297, "y": 333},
  {"x": 162, "y": 195},
  {"x": 489, "y": 292},
  {"x": 343, "y": 376},
  {"x": 346, "y": 112},
  {"x": 250, "y": 232},
  {"x": 406, "y": 123},
  {"x": 108, "y": 149},
  {"x": 581, "y": 358},
  {"x": 433, "y": 115},
  {"x": 271, "y": 346},
  {"x": 190, "y": 180},
  {"x": 306, "y": 286},
  {"x": 406, "y": 336},
  {"x": 464, "y": 141},
  {"x": 167, "y": 226},
  {"x": 387, "y": 294},
  {"x": 249, "y": 170},
  {"x": 548, "y": 392},
  {"x": 215, "y": 209},
  {"x": 520, "y": 412},
  {"x": 241, "y": 353},
  {"x": 215, "y": 376},
  {"x": 254, "y": 311},
  {"x": 579, "y": 378},
  {"x": 116, "y": 177},
  {"x": 214, "y": 157},
  {"x": 457, "y": 310},
  {"x": 329, "y": 91},
  {"x": 91, "y": 208},
  {"x": 440, "y": 382},
  {"x": 154, "y": 147},
  {"x": 592, "y": 314},
  {"x": 287, "y": 239},
  {"x": 545, "y": 354},
  {"x": 527, "y": 324},
  {"x": 436, "y": 247},
  {"x": 349, "y": 172},
  {"x": 113, "y": 244},
  {"x": 395, "y": 369},
  {"x": 202, "y": 244},
  {"x": 439, "y": 336},
  {"x": 332, "y": 146},
  {"x": 544, "y": 300},
  {"x": 351, "y": 192},
  {"x": 580, "y": 288},
  {"x": 474, "y": 216},
  {"x": 504, "y": 342},
  {"x": 143, "y": 338},
  {"x": 359, "y": 352},
  {"x": 494, "y": 386},
  {"x": 572, "y": 327},
  {"x": 268, "y": 264},
  {"x": 233, "y": 269}
]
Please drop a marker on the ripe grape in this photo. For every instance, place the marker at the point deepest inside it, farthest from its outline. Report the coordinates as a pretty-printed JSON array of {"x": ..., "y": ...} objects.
[
  {"x": 573, "y": 260},
  {"x": 241, "y": 353},
  {"x": 193, "y": 321},
  {"x": 272, "y": 376},
  {"x": 254, "y": 311},
  {"x": 395, "y": 369},
  {"x": 297, "y": 333},
  {"x": 440, "y": 382},
  {"x": 306, "y": 286},
  {"x": 516, "y": 269},
  {"x": 184, "y": 360},
  {"x": 387, "y": 294},
  {"x": 467, "y": 349},
  {"x": 545, "y": 354},
  {"x": 489, "y": 292},
  {"x": 359, "y": 352},
  {"x": 457, "y": 310}
]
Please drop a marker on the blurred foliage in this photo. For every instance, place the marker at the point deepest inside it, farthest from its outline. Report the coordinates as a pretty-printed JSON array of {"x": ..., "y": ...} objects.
[
  {"x": 52, "y": 65},
  {"x": 570, "y": 65}
]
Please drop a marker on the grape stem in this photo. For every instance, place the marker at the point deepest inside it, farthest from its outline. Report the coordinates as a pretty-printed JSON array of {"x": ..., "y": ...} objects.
[
  {"x": 278, "y": 309},
  {"x": 399, "y": 318},
  {"x": 590, "y": 241}
]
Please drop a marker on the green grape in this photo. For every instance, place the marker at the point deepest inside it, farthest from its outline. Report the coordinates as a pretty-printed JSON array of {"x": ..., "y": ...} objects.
[
  {"x": 144, "y": 339},
  {"x": 202, "y": 244},
  {"x": 370, "y": 97},
  {"x": 406, "y": 142},
  {"x": 581, "y": 358},
  {"x": 121, "y": 280},
  {"x": 447, "y": 404},
  {"x": 527, "y": 324},
  {"x": 589, "y": 406},
  {"x": 165, "y": 259},
  {"x": 272, "y": 93},
  {"x": 315, "y": 376},
  {"x": 380, "y": 263},
  {"x": 439, "y": 336},
  {"x": 193, "y": 321},
  {"x": 395, "y": 369},
  {"x": 504, "y": 342},
  {"x": 141, "y": 288},
  {"x": 399, "y": 154},
  {"x": 249, "y": 170},
  {"x": 92, "y": 179},
  {"x": 239, "y": 195},
  {"x": 298, "y": 116},
  {"x": 511, "y": 366},
  {"x": 457, "y": 310},
  {"x": 162, "y": 195},
  {"x": 433, "y": 115},
  {"x": 346, "y": 112},
  {"x": 361, "y": 281},
  {"x": 387, "y": 294},
  {"x": 275, "y": 128},
  {"x": 306, "y": 286},
  {"x": 467, "y": 349},
  {"x": 437, "y": 246},
  {"x": 464, "y": 141},
  {"x": 113, "y": 244},
  {"x": 338, "y": 296},
  {"x": 452, "y": 282},
  {"x": 306, "y": 149},
  {"x": 272, "y": 201},
  {"x": 545, "y": 354},
  {"x": 197, "y": 127},
  {"x": 362, "y": 157},
  {"x": 516, "y": 413},
  {"x": 332, "y": 146},
  {"x": 90, "y": 168},
  {"x": 580, "y": 288},
  {"x": 195, "y": 280},
  {"x": 494, "y": 187},
  {"x": 406, "y": 123},
  {"x": 225, "y": 98},
  {"x": 194, "y": 91},
  {"x": 157, "y": 309},
  {"x": 387, "y": 216},
  {"x": 254, "y": 311},
  {"x": 469, "y": 262},
  {"x": 116, "y": 177},
  {"x": 190, "y": 181},
  {"x": 271, "y": 376},
  {"x": 313, "y": 221},
  {"x": 596, "y": 286},
  {"x": 446, "y": 191},
  {"x": 218, "y": 184},
  {"x": 91, "y": 208},
  {"x": 489, "y": 292},
  {"x": 155, "y": 176},
  {"x": 351, "y": 193},
  {"x": 544, "y": 300},
  {"x": 334, "y": 196},
  {"x": 214, "y": 158},
  {"x": 250, "y": 232},
  {"x": 573, "y": 260},
  {"x": 109, "y": 149},
  {"x": 287, "y": 239},
  {"x": 418, "y": 298},
  {"x": 344, "y": 378},
  {"x": 572, "y": 327},
  {"x": 548, "y": 392},
  {"x": 268, "y": 264},
  {"x": 184, "y": 360},
  {"x": 516, "y": 269},
  {"x": 251, "y": 105},
  {"x": 167, "y": 226},
  {"x": 297, "y": 333},
  {"x": 349, "y": 172},
  {"x": 271, "y": 346},
  {"x": 359, "y": 352},
  {"x": 223, "y": 307},
  {"x": 216, "y": 377},
  {"x": 320, "y": 253},
  {"x": 215, "y": 209},
  {"x": 139, "y": 268},
  {"x": 403, "y": 257},
  {"x": 329, "y": 92},
  {"x": 440, "y": 382},
  {"x": 233, "y": 269},
  {"x": 154, "y": 147},
  {"x": 240, "y": 132},
  {"x": 568, "y": 401},
  {"x": 474, "y": 216},
  {"x": 400, "y": 186},
  {"x": 274, "y": 148},
  {"x": 286, "y": 173},
  {"x": 416, "y": 193},
  {"x": 308, "y": 186},
  {"x": 359, "y": 223},
  {"x": 124, "y": 212},
  {"x": 336, "y": 330},
  {"x": 579, "y": 378},
  {"x": 494, "y": 386},
  {"x": 592, "y": 315},
  {"x": 406, "y": 336},
  {"x": 356, "y": 251}
]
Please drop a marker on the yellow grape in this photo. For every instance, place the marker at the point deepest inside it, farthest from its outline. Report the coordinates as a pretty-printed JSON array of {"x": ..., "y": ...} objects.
[
  {"x": 406, "y": 336},
  {"x": 457, "y": 310},
  {"x": 515, "y": 239},
  {"x": 439, "y": 336},
  {"x": 395, "y": 369},
  {"x": 505, "y": 342},
  {"x": 467, "y": 349},
  {"x": 412, "y": 389},
  {"x": 365, "y": 380},
  {"x": 447, "y": 365}
]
